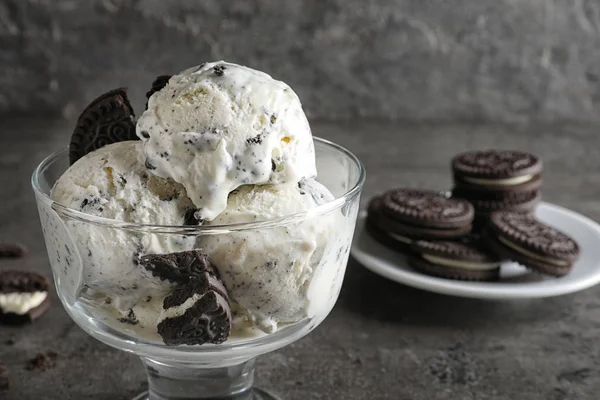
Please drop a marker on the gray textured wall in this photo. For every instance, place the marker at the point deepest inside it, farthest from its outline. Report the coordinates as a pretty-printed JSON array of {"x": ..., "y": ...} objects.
[{"x": 501, "y": 60}]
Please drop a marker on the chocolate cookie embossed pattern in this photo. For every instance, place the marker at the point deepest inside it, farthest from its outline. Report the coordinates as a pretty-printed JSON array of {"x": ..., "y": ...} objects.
[
  {"x": 400, "y": 216},
  {"x": 108, "y": 119},
  {"x": 532, "y": 243},
  {"x": 494, "y": 169}
]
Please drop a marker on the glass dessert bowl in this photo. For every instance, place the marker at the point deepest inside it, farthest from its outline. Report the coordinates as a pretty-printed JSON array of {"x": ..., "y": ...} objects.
[{"x": 136, "y": 321}]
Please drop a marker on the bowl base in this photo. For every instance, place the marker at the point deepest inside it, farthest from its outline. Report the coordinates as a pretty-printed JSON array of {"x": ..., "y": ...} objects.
[{"x": 258, "y": 394}]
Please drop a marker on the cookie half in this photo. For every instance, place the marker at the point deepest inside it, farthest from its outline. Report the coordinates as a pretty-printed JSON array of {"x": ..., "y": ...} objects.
[
  {"x": 497, "y": 170},
  {"x": 108, "y": 119},
  {"x": 532, "y": 243},
  {"x": 195, "y": 313},
  {"x": 466, "y": 259},
  {"x": 23, "y": 296},
  {"x": 409, "y": 214}
]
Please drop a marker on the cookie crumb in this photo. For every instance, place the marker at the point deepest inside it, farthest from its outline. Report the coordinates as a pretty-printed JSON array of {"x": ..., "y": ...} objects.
[
  {"x": 12, "y": 250},
  {"x": 42, "y": 362}
]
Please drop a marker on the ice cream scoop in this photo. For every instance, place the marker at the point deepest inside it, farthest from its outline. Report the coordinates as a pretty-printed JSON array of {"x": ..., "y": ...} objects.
[
  {"x": 218, "y": 126},
  {"x": 113, "y": 182},
  {"x": 268, "y": 271}
]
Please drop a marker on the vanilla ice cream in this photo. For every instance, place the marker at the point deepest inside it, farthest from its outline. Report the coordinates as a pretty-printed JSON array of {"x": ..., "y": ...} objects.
[
  {"x": 267, "y": 271},
  {"x": 218, "y": 126},
  {"x": 113, "y": 182}
]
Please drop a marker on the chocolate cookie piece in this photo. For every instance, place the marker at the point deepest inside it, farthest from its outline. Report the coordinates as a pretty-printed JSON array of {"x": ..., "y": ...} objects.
[
  {"x": 196, "y": 312},
  {"x": 23, "y": 296},
  {"x": 177, "y": 267},
  {"x": 42, "y": 361},
  {"x": 4, "y": 378},
  {"x": 497, "y": 170},
  {"x": 12, "y": 250},
  {"x": 407, "y": 214},
  {"x": 108, "y": 119},
  {"x": 465, "y": 259},
  {"x": 159, "y": 83},
  {"x": 532, "y": 243}
]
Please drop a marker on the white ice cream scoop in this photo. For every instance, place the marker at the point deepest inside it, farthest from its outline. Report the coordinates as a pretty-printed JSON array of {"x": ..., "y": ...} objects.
[{"x": 218, "y": 126}]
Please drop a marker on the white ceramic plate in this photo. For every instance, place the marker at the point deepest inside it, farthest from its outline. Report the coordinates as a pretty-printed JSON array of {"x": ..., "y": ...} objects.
[{"x": 515, "y": 281}]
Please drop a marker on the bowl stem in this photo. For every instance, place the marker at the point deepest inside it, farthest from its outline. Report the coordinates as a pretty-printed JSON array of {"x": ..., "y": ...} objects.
[{"x": 178, "y": 381}]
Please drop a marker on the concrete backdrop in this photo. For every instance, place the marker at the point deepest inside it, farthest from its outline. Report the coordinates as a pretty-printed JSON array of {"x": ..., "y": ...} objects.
[{"x": 470, "y": 60}]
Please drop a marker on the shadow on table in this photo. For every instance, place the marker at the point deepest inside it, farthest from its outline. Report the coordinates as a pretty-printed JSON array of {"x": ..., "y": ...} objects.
[{"x": 377, "y": 298}]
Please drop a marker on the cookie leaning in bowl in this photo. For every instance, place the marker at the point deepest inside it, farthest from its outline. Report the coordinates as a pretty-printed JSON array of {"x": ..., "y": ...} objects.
[
  {"x": 530, "y": 242},
  {"x": 466, "y": 259},
  {"x": 23, "y": 296},
  {"x": 400, "y": 216},
  {"x": 500, "y": 171}
]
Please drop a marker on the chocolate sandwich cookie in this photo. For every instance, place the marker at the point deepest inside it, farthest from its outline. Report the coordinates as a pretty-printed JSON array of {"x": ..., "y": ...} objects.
[
  {"x": 486, "y": 203},
  {"x": 404, "y": 215},
  {"x": 108, "y": 119},
  {"x": 497, "y": 170},
  {"x": 197, "y": 311},
  {"x": 524, "y": 239},
  {"x": 465, "y": 259},
  {"x": 23, "y": 296}
]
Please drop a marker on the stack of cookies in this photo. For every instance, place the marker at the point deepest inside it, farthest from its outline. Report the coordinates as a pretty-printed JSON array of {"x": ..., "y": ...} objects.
[
  {"x": 495, "y": 190},
  {"x": 495, "y": 180}
]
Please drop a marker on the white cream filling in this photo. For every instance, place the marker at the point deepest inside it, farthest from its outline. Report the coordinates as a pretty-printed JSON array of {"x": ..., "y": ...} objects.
[
  {"x": 400, "y": 238},
  {"x": 528, "y": 253},
  {"x": 478, "y": 266},
  {"x": 21, "y": 302},
  {"x": 179, "y": 310},
  {"x": 499, "y": 182}
]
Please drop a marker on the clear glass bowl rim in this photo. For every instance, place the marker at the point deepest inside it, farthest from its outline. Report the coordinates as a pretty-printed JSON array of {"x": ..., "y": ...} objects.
[{"x": 71, "y": 213}]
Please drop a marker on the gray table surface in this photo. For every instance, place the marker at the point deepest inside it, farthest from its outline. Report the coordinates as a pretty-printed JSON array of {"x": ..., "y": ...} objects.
[{"x": 383, "y": 340}]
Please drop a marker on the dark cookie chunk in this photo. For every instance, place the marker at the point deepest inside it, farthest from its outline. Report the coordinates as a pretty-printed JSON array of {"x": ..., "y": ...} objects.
[
  {"x": 219, "y": 70},
  {"x": 4, "y": 378},
  {"x": 192, "y": 217},
  {"x": 178, "y": 267},
  {"x": 465, "y": 259},
  {"x": 159, "y": 83},
  {"x": 528, "y": 241},
  {"x": 18, "y": 281},
  {"x": 12, "y": 250},
  {"x": 42, "y": 362},
  {"x": 206, "y": 320},
  {"x": 108, "y": 119},
  {"x": 497, "y": 170}
]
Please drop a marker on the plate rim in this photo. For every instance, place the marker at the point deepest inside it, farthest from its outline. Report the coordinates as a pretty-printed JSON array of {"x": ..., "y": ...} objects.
[{"x": 478, "y": 290}]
